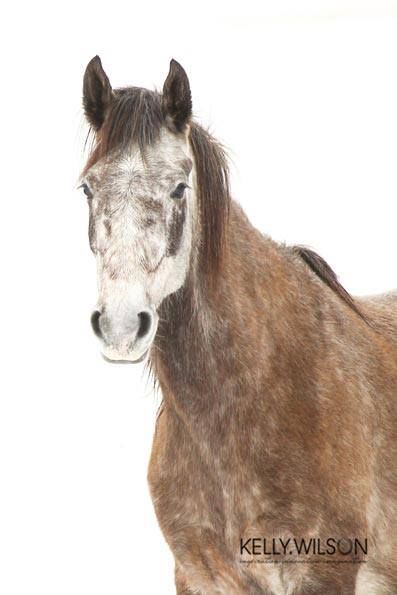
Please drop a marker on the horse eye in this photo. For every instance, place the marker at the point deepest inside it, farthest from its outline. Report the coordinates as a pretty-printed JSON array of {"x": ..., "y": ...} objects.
[
  {"x": 86, "y": 190},
  {"x": 179, "y": 191}
]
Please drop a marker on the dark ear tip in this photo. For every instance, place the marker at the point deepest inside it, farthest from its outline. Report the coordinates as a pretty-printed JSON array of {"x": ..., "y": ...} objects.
[
  {"x": 95, "y": 62},
  {"x": 175, "y": 66}
]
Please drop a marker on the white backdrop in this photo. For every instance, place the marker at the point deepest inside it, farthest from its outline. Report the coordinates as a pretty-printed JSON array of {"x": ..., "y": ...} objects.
[{"x": 305, "y": 96}]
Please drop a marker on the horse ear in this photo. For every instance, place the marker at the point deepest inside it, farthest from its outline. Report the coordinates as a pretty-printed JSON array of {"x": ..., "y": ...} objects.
[
  {"x": 176, "y": 100},
  {"x": 97, "y": 93}
]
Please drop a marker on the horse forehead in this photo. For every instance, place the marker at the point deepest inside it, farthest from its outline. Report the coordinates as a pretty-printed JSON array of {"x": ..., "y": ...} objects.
[
  {"x": 134, "y": 172},
  {"x": 130, "y": 189}
]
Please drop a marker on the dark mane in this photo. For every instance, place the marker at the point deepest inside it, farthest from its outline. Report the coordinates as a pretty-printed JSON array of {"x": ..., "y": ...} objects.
[
  {"x": 322, "y": 269},
  {"x": 212, "y": 195},
  {"x": 135, "y": 117}
]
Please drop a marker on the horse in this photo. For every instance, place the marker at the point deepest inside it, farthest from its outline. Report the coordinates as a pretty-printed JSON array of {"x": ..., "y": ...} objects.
[{"x": 278, "y": 421}]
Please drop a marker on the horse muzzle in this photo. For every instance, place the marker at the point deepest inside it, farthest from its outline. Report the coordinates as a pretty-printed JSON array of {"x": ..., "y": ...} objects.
[{"x": 125, "y": 338}]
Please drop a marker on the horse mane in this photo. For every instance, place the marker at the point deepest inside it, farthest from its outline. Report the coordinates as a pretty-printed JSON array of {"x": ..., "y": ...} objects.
[
  {"x": 322, "y": 269},
  {"x": 213, "y": 196},
  {"x": 135, "y": 117}
]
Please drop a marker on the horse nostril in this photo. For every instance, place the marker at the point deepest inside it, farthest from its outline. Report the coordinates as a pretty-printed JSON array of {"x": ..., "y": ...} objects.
[
  {"x": 145, "y": 323},
  {"x": 95, "y": 323}
]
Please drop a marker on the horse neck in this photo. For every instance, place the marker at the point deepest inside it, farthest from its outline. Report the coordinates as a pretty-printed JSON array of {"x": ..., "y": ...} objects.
[{"x": 212, "y": 340}]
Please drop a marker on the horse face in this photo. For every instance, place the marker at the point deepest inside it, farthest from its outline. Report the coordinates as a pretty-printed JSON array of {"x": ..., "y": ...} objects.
[{"x": 140, "y": 230}]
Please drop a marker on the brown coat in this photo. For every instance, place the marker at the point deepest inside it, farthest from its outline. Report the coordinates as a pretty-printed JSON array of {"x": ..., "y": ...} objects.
[
  {"x": 279, "y": 419},
  {"x": 279, "y": 416}
]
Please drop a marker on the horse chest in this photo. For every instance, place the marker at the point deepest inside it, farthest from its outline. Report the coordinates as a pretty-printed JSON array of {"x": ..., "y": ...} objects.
[{"x": 200, "y": 505}]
